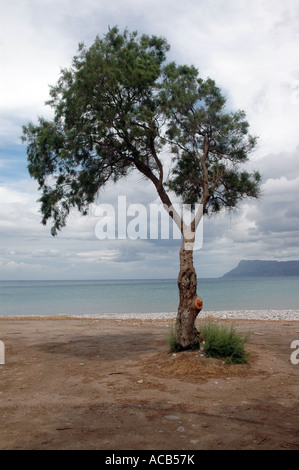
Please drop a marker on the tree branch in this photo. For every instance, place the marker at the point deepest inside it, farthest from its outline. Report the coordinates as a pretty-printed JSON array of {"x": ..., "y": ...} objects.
[{"x": 206, "y": 191}]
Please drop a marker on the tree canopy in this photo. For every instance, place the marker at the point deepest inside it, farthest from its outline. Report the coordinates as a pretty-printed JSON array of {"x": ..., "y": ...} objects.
[{"x": 116, "y": 109}]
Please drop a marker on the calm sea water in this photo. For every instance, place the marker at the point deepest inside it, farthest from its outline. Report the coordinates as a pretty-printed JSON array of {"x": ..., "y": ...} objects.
[{"x": 142, "y": 296}]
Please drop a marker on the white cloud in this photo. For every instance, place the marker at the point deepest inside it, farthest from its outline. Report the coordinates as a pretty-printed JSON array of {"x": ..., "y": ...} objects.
[
  {"x": 99, "y": 255},
  {"x": 20, "y": 269}
]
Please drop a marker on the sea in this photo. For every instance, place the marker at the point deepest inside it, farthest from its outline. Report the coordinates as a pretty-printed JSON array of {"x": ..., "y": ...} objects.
[{"x": 114, "y": 297}]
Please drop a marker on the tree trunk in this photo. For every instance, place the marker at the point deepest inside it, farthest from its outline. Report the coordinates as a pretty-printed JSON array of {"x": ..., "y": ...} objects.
[{"x": 190, "y": 304}]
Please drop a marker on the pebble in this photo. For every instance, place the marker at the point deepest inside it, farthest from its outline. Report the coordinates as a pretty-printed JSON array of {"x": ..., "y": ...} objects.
[
  {"x": 288, "y": 315},
  {"x": 254, "y": 314}
]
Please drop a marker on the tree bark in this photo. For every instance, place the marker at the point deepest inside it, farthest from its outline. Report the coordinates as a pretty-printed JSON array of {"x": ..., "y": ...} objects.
[
  {"x": 190, "y": 305},
  {"x": 187, "y": 334}
]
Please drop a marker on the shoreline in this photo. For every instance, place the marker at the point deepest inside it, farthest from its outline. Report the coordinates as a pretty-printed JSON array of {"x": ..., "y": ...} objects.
[{"x": 261, "y": 314}]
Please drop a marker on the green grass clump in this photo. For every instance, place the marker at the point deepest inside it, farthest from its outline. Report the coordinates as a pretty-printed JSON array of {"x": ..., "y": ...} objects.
[
  {"x": 222, "y": 342},
  {"x": 172, "y": 341}
]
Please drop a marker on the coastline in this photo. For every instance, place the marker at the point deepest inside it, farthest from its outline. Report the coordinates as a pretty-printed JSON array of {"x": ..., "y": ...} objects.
[{"x": 270, "y": 314}]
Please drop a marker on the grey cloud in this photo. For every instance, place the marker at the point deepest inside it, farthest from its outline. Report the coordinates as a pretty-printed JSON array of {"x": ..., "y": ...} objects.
[
  {"x": 129, "y": 254},
  {"x": 277, "y": 165}
]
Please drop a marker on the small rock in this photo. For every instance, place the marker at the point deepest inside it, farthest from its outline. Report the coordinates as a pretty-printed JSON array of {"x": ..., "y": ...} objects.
[{"x": 180, "y": 429}]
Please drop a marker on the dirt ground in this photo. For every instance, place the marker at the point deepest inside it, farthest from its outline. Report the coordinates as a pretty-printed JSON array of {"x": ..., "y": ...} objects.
[{"x": 114, "y": 385}]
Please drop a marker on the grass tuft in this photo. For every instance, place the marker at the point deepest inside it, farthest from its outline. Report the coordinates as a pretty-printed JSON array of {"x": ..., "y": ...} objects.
[
  {"x": 172, "y": 341},
  {"x": 221, "y": 342}
]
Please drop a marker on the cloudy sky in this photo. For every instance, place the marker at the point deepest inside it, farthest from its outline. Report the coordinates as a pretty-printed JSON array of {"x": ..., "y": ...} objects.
[{"x": 250, "y": 48}]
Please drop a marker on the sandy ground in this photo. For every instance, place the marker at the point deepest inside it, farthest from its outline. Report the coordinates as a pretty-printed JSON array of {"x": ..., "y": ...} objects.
[{"x": 114, "y": 385}]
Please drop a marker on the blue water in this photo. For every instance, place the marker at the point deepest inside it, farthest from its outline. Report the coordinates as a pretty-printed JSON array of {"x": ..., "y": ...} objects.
[{"x": 143, "y": 296}]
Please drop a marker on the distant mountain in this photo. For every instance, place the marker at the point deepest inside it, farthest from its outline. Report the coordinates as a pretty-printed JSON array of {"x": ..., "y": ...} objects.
[{"x": 260, "y": 268}]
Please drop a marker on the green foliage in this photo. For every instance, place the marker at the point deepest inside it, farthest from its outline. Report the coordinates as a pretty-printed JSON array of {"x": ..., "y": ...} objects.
[
  {"x": 116, "y": 109},
  {"x": 222, "y": 342},
  {"x": 209, "y": 143},
  {"x": 103, "y": 127},
  {"x": 172, "y": 340}
]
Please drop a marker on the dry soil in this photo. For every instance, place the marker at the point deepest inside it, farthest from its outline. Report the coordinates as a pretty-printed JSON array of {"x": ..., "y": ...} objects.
[{"x": 113, "y": 384}]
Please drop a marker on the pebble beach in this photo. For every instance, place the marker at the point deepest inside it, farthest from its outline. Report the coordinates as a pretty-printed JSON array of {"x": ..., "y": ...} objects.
[{"x": 288, "y": 315}]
